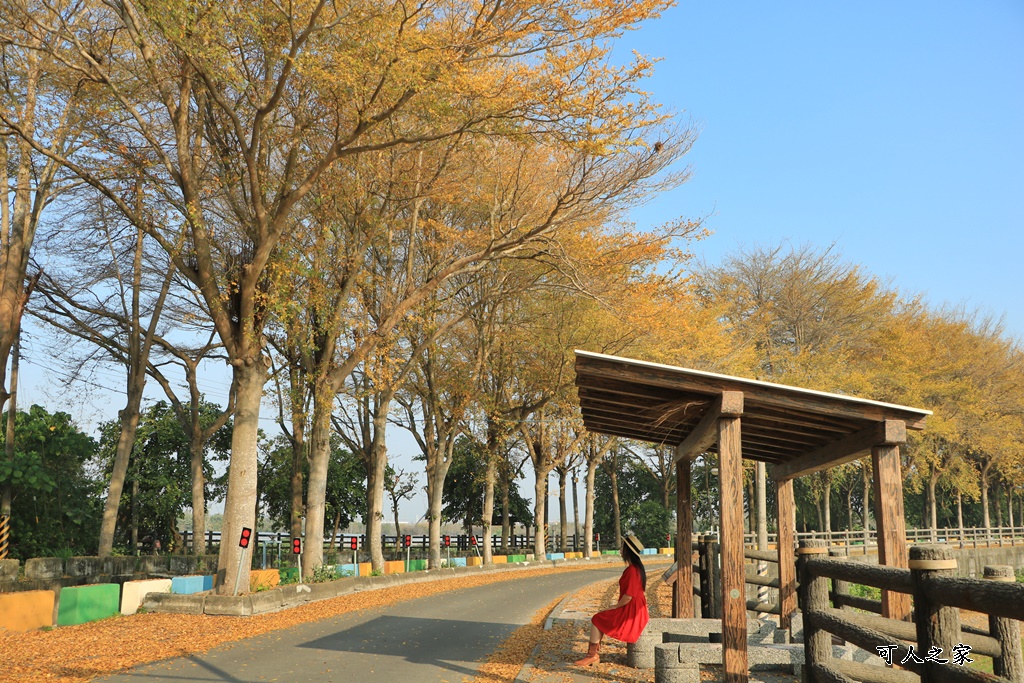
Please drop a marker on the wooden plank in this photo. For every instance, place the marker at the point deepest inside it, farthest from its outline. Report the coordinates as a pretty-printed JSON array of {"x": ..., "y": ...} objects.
[
  {"x": 631, "y": 433},
  {"x": 657, "y": 432},
  {"x": 786, "y": 520},
  {"x": 852, "y": 447},
  {"x": 734, "y": 599},
  {"x": 892, "y": 530},
  {"x": 816, "y": 421},
  {"x": 706, "y": 432},
  {"x": 682, "y": 590},
  {"x": 776, "y": 395}
]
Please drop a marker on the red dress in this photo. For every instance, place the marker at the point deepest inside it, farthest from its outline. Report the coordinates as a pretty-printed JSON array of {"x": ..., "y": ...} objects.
[{"x": 625, "y": 623}]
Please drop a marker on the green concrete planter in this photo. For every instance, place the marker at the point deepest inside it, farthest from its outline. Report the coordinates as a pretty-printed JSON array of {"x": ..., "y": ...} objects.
[{"x": 81, "y": 604}]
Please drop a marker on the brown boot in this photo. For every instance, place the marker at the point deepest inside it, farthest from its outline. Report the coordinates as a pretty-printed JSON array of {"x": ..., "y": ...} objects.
[{"x": 592, "y": 656}]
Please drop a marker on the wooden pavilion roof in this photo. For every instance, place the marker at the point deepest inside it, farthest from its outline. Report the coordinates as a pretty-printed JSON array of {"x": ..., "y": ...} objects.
[{"x": 798, "y": 430}]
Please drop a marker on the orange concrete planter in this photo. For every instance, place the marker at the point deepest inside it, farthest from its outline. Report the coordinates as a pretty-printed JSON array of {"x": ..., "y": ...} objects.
[
  {"x": 26, "y": 610},
  {"x": 365, "y": 569},
  {"x": 264, "y": 579},
  {"x": 499, "y": 559},
  {"x": 474, "y": 561},
  {"x": 395, "y": 567}
]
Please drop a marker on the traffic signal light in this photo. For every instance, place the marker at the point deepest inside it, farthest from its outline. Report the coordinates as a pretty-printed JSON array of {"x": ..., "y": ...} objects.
[
  {"x": 243, "y": 541},
  {"x": 408, "y": 541},
  {"x": 472, "y": 540},
  {"x": 598, "y": 537},
  {"x": 447, "y": 541},
  {"x": 297, "y": 546},
  {"x": 354, "y": 543}
]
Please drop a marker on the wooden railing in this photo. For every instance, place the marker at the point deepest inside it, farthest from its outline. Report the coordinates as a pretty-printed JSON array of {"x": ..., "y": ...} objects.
[
  {"x": 967, "y": 537},
  {"x": 936, "y": 632}
]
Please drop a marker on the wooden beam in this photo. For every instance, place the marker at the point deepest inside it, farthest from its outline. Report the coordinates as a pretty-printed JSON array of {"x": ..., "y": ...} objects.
[
  {"x": 892, "y": 528},
  {"x": 729, "y": 403},
  {"x": 852, "y": 447},
  {"x": 734, "y": 588},
  {"x": 682, "y": 588},
  {"x": 786, "y": 508}
]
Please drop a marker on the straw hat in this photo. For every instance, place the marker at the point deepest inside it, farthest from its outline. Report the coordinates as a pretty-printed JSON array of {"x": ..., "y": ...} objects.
[{"x": 633, "y": 542}]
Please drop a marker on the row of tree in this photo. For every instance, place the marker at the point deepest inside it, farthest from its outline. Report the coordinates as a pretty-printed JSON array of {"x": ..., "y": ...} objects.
[{"x": 411, "y": 215}]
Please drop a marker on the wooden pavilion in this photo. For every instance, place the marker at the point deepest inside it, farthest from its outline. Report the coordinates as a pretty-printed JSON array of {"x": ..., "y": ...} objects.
[{"x": 797, "y": 431}]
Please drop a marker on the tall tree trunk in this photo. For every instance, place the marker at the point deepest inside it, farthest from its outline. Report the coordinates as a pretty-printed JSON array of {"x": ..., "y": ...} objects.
[
  {"x": 933, "y": 518},
  {"x": 999, "y": 506},
  {"x": 435, "y": 487},
  {"x": 751, "y": 508},
  {"x": 298, "y": 442},
  {"x": 865, "y": 513},
  {"x": 506, "y": 523},
  {"x": 1009, "y": 506},
  {"x": 984, "y": 497},
  {"x": 575, "y": 510},
  {"x": 959, "y": 510},
  {"x": 135, "y": 515},
  {"x": 563, "y": 518},
  {"x": 398, "y": 525},
  {"x": 616, "y": 512},
  {"x": 125, "y": 442},
  {"x": 316, "y": 495},
  {"x": 7, "y": 497},
  {"x": 849, "y": 509},
  {"x": 375, "y": 486},
  {"x": 334, "y": 529},
  {"x": 540, "y": 492},
  {"x": 827, "y": 499},
  {"x": 490, "y": 474},
  {"x": 588, "y": 520},
  {"x": 240, "y": 503},
  {"x": 196, "y": 449}
]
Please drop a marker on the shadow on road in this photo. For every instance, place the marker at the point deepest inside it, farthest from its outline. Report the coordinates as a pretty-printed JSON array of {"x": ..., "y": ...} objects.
[{"x": 444, "y": 643}]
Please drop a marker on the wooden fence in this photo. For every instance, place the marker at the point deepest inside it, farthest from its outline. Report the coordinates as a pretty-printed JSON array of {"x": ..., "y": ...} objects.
[{"x": 936, "y": 632}]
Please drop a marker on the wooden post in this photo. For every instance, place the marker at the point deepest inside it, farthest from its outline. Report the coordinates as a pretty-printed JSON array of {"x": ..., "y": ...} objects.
[
  {"x": 937, "y": 625},
  {"x": 734, "y": 599},
  {"x": 1007, "y": 631},
  {"x": 892, "y": 528},
  {"x": 682, "y": 587},
  {"x": 813, "y": 594},
  {"x": 840, "y": 588},
  {"x": 786, "y": 508}
]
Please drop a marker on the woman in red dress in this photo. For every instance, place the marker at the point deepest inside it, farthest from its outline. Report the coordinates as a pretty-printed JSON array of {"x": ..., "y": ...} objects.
[{"x": 625, "y": 621}]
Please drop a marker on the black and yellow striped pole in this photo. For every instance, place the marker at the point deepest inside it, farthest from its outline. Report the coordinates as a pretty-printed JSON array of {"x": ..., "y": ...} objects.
[{"x": 5, "y": 535}]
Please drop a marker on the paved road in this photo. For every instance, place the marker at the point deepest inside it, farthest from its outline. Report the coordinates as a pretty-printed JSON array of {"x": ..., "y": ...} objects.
[{"x": 440, "y": 638}]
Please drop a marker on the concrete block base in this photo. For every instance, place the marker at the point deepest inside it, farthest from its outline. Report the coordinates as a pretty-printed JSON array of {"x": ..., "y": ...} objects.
[
  {"x": 228, "y": 605},
  {"x": 670, "y": 668},
  {"x": 172, "y": 603},
  {"x": 266, "y": 601}
]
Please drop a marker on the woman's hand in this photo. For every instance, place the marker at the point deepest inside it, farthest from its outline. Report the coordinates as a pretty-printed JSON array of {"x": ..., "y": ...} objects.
[{"x": 623, "y": 601}]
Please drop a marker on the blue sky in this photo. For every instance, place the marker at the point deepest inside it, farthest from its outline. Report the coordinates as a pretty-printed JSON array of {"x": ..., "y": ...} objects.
[{"x": 895, "y": 130}]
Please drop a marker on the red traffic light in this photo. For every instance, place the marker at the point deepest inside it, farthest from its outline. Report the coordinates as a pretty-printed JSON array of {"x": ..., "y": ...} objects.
[
  {"x": 297, "y": 546},
  {"x": 354, "y": 543},
  {"x": 598, "y": 537},
  {"x": 408, "y": 541},
  {"x": 472, "y": 540},
  {"x": 447, "y": 541},
  {"x": 243, "y": 541}
]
